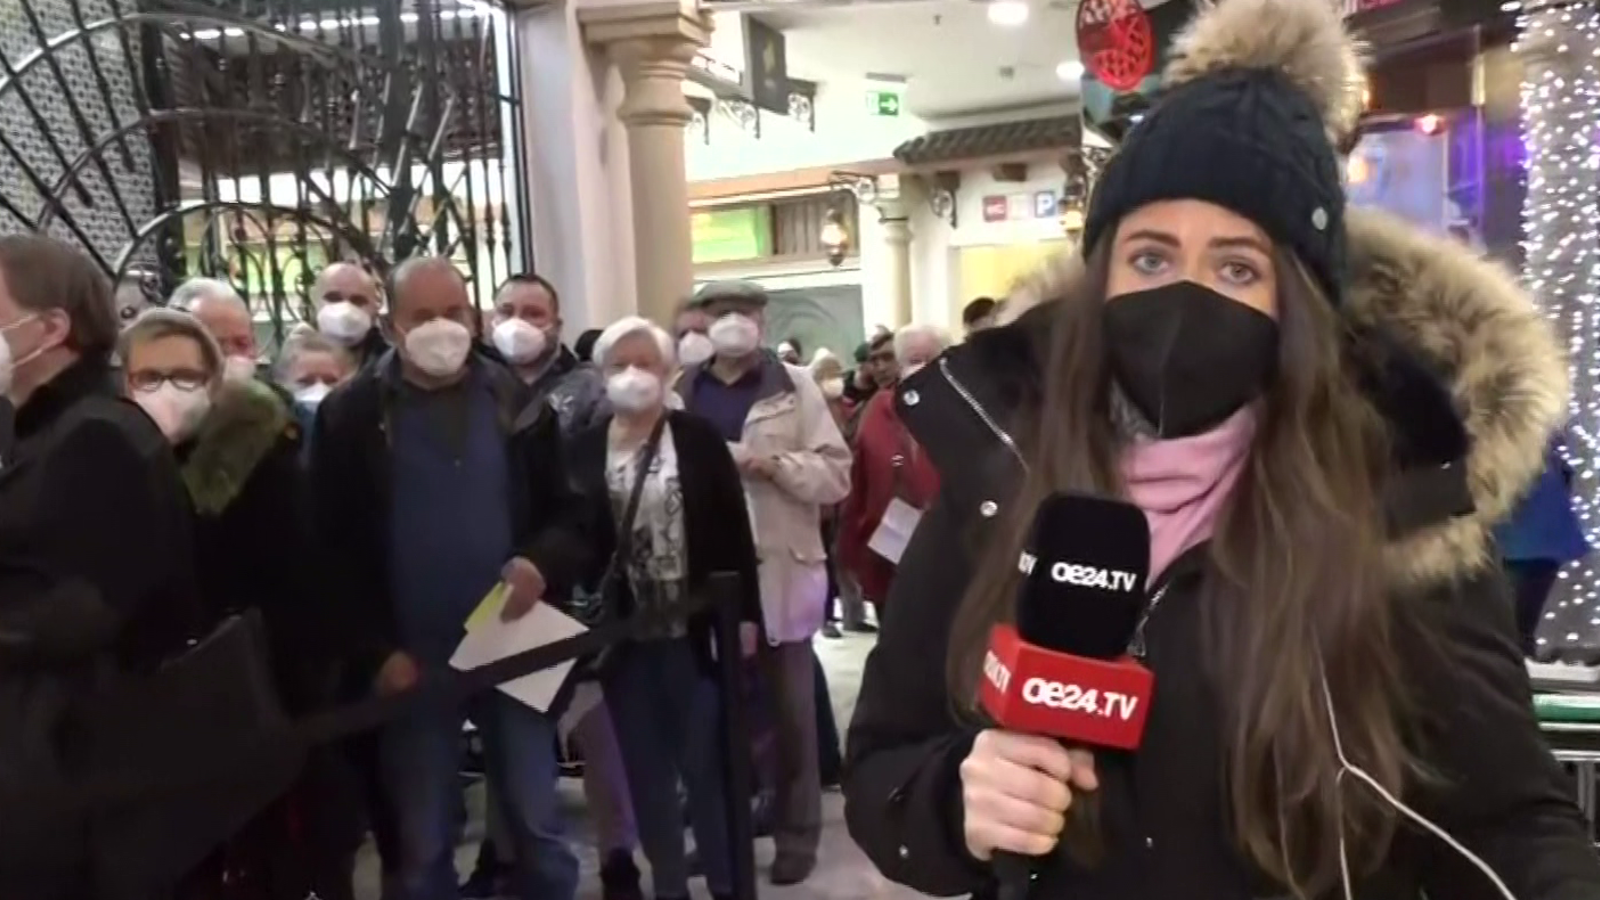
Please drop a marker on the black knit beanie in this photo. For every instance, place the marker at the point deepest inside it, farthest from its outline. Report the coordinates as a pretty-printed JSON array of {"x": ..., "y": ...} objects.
[{"x": 1256, "y": 95}]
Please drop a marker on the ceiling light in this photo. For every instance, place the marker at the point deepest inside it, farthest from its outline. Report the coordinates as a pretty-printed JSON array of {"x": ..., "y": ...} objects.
[
  {"x": 1071, "y": 70},
  {"x": 1008, "y": 13}
]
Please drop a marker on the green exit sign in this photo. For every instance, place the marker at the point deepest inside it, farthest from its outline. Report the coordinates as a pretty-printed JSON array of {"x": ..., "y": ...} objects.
[{"x": 883, "y": 103}]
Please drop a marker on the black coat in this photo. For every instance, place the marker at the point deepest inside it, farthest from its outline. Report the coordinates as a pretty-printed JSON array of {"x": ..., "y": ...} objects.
[
  {"x": 96, "y": 574},
  {"x": 252, "y": 532},
  {"x": 1164, "y": 806},
  {"x": 716, "y": 519},
  {"x": 90, "y": 491},
  {"x": 351, "y": 490}
]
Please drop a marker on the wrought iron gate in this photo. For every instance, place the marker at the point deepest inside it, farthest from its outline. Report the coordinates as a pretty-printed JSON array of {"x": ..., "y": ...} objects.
[{"x": 258, "y": 140}]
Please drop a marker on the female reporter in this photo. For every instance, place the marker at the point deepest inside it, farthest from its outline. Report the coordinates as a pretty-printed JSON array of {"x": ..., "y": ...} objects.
[{"x": 1321, "y": 413}]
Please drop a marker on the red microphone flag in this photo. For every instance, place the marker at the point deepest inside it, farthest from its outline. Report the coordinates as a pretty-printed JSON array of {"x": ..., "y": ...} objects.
[{"x": 1095, "y": 702}]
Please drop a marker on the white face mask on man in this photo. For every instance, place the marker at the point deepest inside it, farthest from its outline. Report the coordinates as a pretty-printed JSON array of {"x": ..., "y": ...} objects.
[
  {"x": 8, "y": 360},
  {"x": 177, "y": 412},
  {"x": 439, "y": 347},
  {"x": 344, "y": 322},
  {"x": 239, "y": 368},
  {"x": 695, "y": 348},
  {"x": 633, "y": 390},
  {"x": 735, "y": 335},
  {"x": 519, "y": 341}
]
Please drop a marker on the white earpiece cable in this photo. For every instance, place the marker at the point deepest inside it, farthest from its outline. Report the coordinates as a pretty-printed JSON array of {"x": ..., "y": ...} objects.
[{"x": 1346, "y": 767}]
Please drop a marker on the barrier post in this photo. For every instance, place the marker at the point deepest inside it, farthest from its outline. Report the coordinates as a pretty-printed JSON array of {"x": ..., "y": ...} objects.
[{"x": 725, "y": 588}]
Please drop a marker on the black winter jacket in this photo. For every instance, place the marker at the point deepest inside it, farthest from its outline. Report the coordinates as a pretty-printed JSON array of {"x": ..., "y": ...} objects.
[
  {"x": 1163, "y": 807},
  {"x": 716, "y": 520},
  {"x": 350, "y": 485},
  {"x": 252, "y": 532}
]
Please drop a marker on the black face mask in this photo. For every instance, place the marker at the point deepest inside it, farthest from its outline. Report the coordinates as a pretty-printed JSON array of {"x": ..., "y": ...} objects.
[{"x": 1187, "y": 356}]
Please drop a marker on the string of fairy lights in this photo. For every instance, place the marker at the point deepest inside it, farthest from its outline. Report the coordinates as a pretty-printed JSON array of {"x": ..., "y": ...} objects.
[{"x": 1559, "y": 47}]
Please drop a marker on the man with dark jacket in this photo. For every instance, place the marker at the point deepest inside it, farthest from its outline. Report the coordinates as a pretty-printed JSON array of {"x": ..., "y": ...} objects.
[
  {"x": 527, "y": 332},
  {"x": 430, "y": 489},
  {"x": 92, "y": 511}
]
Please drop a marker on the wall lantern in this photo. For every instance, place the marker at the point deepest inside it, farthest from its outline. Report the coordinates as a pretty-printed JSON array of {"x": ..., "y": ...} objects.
[{"x": 835, "y": 237}]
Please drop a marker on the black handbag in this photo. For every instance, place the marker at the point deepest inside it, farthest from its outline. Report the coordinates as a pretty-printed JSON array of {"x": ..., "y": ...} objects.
[{"x": 179, "y": 759}]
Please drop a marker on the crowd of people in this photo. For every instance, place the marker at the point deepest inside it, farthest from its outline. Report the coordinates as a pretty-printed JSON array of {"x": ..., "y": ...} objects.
[{"x": 364, "y": 489}]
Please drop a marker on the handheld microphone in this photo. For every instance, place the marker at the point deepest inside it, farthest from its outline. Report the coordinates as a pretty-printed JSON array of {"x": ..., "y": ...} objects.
[{"x": 1063, "y": 670}]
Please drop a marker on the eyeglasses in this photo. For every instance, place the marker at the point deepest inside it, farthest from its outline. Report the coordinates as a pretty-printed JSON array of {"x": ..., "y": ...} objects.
[{"x": 149, "y": 380}]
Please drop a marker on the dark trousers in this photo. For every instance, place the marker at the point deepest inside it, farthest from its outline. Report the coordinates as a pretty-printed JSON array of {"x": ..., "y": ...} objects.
[
  {"x": 830, "y": 764},
  {"x": 1531, "y": 581}
]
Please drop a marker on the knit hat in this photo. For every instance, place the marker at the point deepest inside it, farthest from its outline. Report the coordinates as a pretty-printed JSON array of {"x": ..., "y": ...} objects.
[{"x": 1254, "y": 101}]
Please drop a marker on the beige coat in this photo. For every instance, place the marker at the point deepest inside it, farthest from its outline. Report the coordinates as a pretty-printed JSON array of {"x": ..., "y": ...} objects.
[{"x": 790, "y": 422}]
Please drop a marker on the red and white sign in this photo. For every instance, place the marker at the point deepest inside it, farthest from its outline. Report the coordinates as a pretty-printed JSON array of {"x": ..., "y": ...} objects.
[
  {"x": 1116, "y": 42},
  {"x": 995, "y": 208},
  {"x": 1101, "y": 703}
]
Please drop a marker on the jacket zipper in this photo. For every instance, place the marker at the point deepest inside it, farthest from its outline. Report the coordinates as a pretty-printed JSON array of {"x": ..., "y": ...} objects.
[
  {"x": 983, "y": 414},
  {"x": 1138, "y": 646}
]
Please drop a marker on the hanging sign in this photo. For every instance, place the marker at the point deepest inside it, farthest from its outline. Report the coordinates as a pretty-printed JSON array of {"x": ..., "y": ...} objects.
[{"x": 1116, "y": 42}]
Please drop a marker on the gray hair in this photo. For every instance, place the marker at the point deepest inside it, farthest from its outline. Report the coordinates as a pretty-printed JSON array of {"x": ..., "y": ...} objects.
[
  {"x": 629, "y": 327},
  {"x": 301, "y": 344},
  {"x": 416, "y": 264},
  {"x": 189, "y": 294},
  {"x": 909, "y": 333},
  {"x": 155, "y": 324}
]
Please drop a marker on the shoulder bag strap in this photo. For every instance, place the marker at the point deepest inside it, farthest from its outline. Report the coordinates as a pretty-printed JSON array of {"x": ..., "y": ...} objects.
[{"x": 647, "y": 456}]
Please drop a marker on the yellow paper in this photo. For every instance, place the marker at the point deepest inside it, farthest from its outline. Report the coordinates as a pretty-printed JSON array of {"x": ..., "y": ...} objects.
[{"x": 489, "y": 608}]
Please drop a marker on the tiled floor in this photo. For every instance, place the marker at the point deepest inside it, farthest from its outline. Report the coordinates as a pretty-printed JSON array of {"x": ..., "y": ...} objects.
[{"x": 843, "y": 873}]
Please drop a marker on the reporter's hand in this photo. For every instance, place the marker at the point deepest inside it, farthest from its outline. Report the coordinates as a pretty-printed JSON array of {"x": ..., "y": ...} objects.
[
  {"x": 398, "y": 673},
  {"x": 1016, "y": 790}
]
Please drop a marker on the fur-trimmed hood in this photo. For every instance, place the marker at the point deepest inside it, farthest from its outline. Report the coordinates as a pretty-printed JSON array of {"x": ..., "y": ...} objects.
[
  {"x": 246, "y": 422},
  {"x": 1459, "y": 361}
]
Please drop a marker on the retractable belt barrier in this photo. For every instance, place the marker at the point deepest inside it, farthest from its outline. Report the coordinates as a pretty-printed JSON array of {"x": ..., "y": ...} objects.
[{"x": 449, "y": 689}]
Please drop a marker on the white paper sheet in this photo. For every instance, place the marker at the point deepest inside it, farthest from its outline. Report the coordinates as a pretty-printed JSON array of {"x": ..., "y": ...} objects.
[
  {"x": 490, "y": 640},
  {"x": 894, "y": 530}
]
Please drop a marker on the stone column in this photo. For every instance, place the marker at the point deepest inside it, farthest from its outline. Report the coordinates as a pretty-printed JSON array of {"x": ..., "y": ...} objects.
[
  {"x": 653, "y": 49},
  {"x": 893, "y": 215}
]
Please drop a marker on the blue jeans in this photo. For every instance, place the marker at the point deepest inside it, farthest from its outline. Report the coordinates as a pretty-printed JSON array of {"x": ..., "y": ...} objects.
[
  {"x": 668, "y": 716},
  {"x": 421, "y": 765}
]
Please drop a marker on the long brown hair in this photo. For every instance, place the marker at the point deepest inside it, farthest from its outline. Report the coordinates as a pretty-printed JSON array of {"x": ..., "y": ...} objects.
[{"x": 1294, "y": 592}]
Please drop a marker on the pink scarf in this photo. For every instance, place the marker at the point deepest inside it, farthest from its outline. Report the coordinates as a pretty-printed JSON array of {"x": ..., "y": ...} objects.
[{"x": 1182, "y": 483}]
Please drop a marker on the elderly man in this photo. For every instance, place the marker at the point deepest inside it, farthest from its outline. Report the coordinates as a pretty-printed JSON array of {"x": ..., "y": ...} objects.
[
  {"x": 794, "y": 462},
  {"x": 225, "y": 314},
  {"x": 429, "y": 491},
  {"x": 349, "y": 301}
]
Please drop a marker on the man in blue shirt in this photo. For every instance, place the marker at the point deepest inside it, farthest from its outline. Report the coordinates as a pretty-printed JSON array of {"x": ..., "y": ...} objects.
[{"x": 429, "y": 491}]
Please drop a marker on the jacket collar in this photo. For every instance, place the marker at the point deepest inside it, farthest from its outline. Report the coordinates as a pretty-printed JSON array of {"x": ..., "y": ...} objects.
[
  {"x": 84, "y": 378},
  {"x": 1450, "y": 350},
  {"x": 775, "y": 378},
  {"x": 246, "y": 421},
  {"x": 563, "y": 362}
]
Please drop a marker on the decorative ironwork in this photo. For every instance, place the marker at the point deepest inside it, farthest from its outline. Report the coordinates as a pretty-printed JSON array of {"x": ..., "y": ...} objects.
[{"x": 259, "y": 140}]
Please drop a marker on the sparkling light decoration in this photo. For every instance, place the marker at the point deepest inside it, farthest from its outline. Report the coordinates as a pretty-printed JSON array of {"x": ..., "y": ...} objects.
[{"x": 1559, "y": 48}]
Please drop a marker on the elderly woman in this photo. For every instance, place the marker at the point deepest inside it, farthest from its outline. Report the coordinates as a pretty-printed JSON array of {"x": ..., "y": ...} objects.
[
  {"x": 237, "y": 448},
  {"x": 665, "y": 485},
  {"x": 309, "y": 367}
]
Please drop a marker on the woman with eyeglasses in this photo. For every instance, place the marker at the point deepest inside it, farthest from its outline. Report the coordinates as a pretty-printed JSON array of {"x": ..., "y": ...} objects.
[{"x": 238, "y": 447}]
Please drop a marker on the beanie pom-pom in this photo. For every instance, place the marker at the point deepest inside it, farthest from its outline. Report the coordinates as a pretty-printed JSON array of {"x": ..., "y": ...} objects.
[{"x": 1305, "y": 40}]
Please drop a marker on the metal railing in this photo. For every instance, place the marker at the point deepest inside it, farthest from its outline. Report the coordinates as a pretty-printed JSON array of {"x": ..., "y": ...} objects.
[{"x": 258, "y": 140}]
